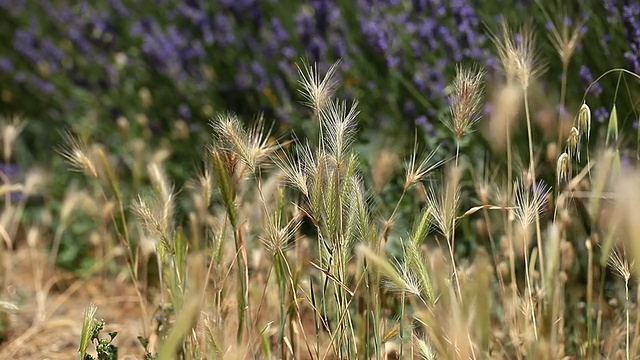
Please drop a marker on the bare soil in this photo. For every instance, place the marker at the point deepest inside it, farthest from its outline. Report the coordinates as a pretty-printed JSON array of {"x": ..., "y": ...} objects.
[{"x": 47, "y": 324}]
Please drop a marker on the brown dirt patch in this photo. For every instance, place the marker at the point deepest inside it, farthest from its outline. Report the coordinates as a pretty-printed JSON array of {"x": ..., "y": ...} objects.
[{"x": 47, "y": 325}]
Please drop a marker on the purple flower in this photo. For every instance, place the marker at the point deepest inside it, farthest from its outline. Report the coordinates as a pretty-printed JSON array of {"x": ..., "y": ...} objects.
[
  {"x": 6, "y": 65},
  {"x": 587, "y": 80},
  {"x": 630, "y": 17},
  {"x": 601, "y": 114},
  {"x": 184, "y": 111}
]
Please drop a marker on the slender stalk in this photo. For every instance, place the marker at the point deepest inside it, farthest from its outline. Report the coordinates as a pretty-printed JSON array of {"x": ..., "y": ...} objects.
[
  {"x": 589, "y": 296},
  {"x": 626, "y": 311},
  {"x": 402, "y": 300},
  {"x": 508, "y": 222},
  {"x": 452, "y": 240},
  {"x": 532, "y": 173},
  {"x": 563, "y": 94},
  {"x": 529, "y": 287},
  {"x": 636, "y": 328}
]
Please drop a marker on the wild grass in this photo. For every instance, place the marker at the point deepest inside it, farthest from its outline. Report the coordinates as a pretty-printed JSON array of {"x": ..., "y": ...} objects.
[{"x": 287, "y": 253}]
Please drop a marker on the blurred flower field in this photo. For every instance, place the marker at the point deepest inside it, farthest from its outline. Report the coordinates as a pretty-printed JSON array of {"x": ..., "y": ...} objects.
[{"x": 319, "y": 178}]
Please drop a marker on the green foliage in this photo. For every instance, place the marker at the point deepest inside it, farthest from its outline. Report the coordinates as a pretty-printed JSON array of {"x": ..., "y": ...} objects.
[{"x": 91, "y": 330}]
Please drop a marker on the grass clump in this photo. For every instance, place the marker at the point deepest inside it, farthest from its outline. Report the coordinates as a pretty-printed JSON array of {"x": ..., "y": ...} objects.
[
  {"x": 312, "y": 272},
  {"x": 288, "y": 249}
]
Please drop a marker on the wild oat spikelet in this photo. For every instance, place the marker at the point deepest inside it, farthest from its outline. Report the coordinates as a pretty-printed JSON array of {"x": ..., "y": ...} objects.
[
  {"x": 76, "y": 154},
  {"x": 584, "y": 120},
  {"x": 465, "y": 98},
  {"x": 573, "y": 143},
  {"x": 202, "y": 185},
  {"x": 563, "y": 167},
  {"x": 317, "y": 92}
]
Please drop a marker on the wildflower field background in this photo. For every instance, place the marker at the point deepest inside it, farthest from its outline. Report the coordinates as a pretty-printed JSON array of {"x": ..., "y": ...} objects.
[{"x": 319, "y": 179}]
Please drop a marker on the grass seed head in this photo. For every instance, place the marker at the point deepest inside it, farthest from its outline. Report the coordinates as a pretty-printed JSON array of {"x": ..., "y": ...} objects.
[
  {"x": 85, "y": 337},
  {"x": 338, "y": 125},
  {"x": 76, "y": 153},
  {"x": 10, "y": 131},
  {"x": 563, "y": 168},
  {"x": 465, "y": 100},
  {"x": 277, "y": 237},
  {"x": 410, "y": 283},
  {"x": 253, "y": 146},
  {"x": 297, "y": 166},
  {"x": 152, "y": 215},
  {"x": 566, "y": 39},
  {"x": 316, "y": 91},
  {"x": 618, "y": 261},
  {"x": 518, "y": 55},
  {"x": 584, "y": 120},
  {"x": 530, "y": 202},
  {"x": 573, "y": 143},
  {"x": 417, "y": 172},
  {"x": 443, "y": 203}
]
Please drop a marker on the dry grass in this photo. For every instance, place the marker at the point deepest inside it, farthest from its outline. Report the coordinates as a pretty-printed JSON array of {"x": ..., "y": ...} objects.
[{"x": 286, "y": 255}]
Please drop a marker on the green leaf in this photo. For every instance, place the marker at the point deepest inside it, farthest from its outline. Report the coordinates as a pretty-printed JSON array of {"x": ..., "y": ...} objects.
[{"x": 612, "y": 127}]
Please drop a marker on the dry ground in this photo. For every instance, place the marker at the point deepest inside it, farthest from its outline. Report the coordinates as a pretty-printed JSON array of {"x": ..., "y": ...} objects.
[{"x": 48, "y": 325}]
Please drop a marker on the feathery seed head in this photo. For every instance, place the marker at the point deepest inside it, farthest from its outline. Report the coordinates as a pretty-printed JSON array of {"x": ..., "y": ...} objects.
[
  {"x": 75, "y": 152},
  {"x": 278, "y": 237},
  {"x": 297, "y": 167},
  {"x": 566, "y": 39},
  {"x": 149, "y": 215},
  {"x": 11, "y": 129},
  {"x": 518, "y": 56},
  {"x": 505, "y": 107},
  {"x": 417, "y": 172},
  {"x": 584, "y": 120},
  {"x": 317, "y": 92},
  {"x": 530, "y": 202},
  {"x": 252, "y": 146},
  {"x": 618, "y": 261},
  {"x": 563, "y": 168},
  {"x": 383, "y": 168},
  {"x": 425, "y": 350},
  {"x": 159, "y": 179},
  {"x": 573, "y": 143},
  {"x": 465, "y": 99},
  {"x": 203, "y": 184},
  {"x": 338, "y": 123},
  {"x": 443, "y": 203},
  {"x": 410, "y": 284}
]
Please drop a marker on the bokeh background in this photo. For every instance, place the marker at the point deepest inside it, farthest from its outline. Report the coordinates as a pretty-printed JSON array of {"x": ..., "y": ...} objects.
[{"x": 159, "y": 70}]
